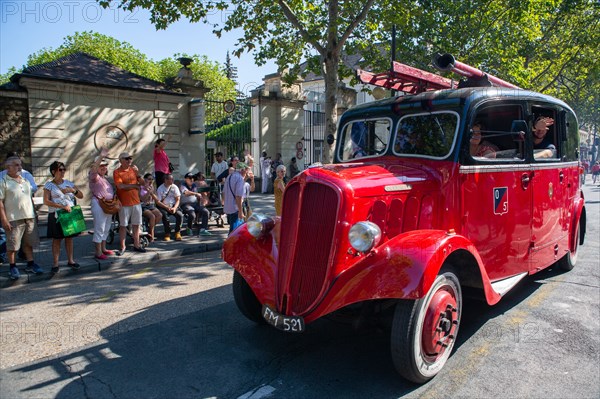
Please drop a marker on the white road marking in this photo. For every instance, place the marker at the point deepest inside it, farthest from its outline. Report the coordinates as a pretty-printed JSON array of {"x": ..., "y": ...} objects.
[{"x": 258, "y": 393}]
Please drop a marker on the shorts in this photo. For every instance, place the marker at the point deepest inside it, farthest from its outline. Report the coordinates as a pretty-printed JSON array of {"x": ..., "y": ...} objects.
[
  {"x": 130, "y": 215},
  {"x": 22, "y": 229}
]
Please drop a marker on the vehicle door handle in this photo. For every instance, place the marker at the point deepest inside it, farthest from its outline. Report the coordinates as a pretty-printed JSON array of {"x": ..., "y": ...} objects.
[
  {"x": 525, "y": 179},
  {"x": 561, "y": 176}
]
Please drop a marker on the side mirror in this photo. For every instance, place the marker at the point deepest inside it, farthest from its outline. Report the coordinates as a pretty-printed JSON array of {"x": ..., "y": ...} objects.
[
  {"x": 330, "y": 139},
  {"x": 519, "y": 129}
]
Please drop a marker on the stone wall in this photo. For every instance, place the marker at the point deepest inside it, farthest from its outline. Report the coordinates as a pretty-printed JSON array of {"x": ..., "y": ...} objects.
[
  {"x": 14, "y": 127},
  {"x": 70, "y": 122}
]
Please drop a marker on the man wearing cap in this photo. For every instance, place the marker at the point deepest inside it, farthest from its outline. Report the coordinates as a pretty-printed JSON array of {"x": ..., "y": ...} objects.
[
  {"x": 128, "y": 182},
  {"x": 234, "y": 194},
  {"x": 193, "y": 204}
]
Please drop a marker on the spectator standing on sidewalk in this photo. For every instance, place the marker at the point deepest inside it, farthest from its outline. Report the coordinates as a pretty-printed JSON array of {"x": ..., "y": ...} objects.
[
  {"x": 193, "y": 205},
  {"x": 128, "y": 182},
  {"x": 219, "y": 166},
  {"x": 293, "y": 168},
  {"x": 161, "y": 161},
  {"x": 234, "y": 195},
  {"x": 278, "y": 189},
  {"x": 168, "y": 204},
  {"x": 276, "y": 163},
  {"x": 60, "y": 193},
  {"x": 17, "y": 216},
  {"x": 265, "y": 172},
  {"x": 27, "y": 175},
  {"x": 100, "y": 188},
  {"x": 249, "y": 187}
]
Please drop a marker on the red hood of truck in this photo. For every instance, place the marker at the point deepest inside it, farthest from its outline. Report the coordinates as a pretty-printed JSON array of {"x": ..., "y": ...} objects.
[{"x": 384, "y": 177}]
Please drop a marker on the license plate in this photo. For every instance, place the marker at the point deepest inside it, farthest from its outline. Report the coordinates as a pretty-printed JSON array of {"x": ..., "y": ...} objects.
[{"x": 281, "y": 322}]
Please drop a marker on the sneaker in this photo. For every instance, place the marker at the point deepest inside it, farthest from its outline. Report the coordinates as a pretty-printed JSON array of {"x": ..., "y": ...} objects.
[
  {"x": 167, "y": 238},
  {"x": 101, "y": 257},
  {"x": 188, "y": 232},
  {"x": 177, "y": 236},
  {"x": 140, "y": 249},
  {"x": 35, "y": 268},
  {"x": 204, "y": 232},
  {"x": 108, "y": 252},
  {"x": 55, "y": 270},
  {"x": 14, "y": 273},
  {"x": 74, "y": 266}
]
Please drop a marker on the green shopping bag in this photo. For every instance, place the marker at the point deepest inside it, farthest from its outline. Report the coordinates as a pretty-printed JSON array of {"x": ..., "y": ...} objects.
[{"x": 71, "y": 222}]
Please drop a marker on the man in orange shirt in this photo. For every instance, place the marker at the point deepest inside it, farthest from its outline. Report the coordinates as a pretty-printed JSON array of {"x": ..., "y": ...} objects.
[{"x": 128, "y": 181}]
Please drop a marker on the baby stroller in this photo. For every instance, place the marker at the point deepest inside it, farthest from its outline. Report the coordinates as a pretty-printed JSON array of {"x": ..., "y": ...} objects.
[
  {"x": 215, "y": 206},
  {"x": 114, "y": 232}
]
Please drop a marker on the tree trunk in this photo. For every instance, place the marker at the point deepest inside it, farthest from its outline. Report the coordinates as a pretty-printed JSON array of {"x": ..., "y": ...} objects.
[{"x": 330, "y": 67}]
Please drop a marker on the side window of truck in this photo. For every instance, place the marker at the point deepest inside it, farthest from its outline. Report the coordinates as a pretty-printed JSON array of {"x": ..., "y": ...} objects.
[
  {"x": 544, "y": 134},
  {"x": 364, "y": 138},
  {"x": 490, "y": 135},
  {"x": 428, "y": 135}
]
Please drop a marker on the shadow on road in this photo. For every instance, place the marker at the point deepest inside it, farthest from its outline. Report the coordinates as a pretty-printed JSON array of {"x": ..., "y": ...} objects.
[{"x": 216, "y": 352}]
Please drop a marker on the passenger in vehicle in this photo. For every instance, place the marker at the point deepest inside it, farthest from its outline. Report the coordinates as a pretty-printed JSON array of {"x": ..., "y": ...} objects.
[
  {"x": 479, "y": 147},
  {"x": 358, "y": 136},
  {"x": 541, "y": 126}
]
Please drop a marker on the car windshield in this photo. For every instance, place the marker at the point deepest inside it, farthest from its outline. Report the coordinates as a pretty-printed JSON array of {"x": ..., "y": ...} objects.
[
  {"x": 364, "y": 138},
  {"x": 428, "y": 135}
]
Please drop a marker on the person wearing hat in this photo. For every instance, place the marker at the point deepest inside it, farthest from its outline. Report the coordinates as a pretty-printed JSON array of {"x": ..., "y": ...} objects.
[
  {"x": 233, "y": 190},
  {"x": 100, "y": 188},
  {"x": 128, "y": 181},
  {"x": 193, "y": 204}
]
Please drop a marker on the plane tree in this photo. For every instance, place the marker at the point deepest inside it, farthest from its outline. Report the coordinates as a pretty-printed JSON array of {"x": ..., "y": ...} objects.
[{"x": 547, "y": 46}]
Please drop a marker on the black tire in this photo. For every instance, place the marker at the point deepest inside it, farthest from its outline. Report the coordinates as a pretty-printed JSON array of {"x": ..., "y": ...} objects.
[
  {"x": 246, "y": 300},
  {"x": 418, "y": 350},
  {"x": 144, "y": 242},
  {"x": 569, "y": 261}
]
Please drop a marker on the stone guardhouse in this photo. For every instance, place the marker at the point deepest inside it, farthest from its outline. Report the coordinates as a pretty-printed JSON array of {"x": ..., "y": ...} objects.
[{"x": 68, "y": 109}]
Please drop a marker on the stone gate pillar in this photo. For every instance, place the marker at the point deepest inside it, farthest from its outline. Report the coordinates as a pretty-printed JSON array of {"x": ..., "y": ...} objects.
[{"x": 277, "y": 119}]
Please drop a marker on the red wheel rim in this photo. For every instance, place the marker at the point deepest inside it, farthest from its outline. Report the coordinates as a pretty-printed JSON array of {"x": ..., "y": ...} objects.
[{"x": 440, "y": 323}]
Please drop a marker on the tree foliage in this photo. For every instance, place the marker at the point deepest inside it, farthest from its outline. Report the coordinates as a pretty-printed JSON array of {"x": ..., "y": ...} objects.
[
  {"x": 548, "y": 46},
  {"x": 124, "y": 55},
  {"x": 544, "y": 45}
]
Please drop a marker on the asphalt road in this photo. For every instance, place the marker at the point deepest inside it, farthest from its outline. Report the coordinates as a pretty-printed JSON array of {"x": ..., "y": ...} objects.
[{"x": 172, "y": 330}]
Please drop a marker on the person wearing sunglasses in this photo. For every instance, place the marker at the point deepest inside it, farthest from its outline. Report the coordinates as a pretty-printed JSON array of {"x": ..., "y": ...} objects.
[
  {"x": 60, "y": 193},
  {"x": 101, "y": 190},
  {"x": 128, "y": 181}
]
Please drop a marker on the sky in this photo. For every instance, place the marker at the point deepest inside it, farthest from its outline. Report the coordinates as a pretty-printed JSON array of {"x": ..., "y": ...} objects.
[{"x": 27, "y": 26}]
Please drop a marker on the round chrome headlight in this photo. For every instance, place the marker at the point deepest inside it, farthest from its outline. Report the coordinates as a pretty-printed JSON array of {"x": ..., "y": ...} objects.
[
  {"x": 364, "y": 235},
  {"x": 259, "y": 224}
]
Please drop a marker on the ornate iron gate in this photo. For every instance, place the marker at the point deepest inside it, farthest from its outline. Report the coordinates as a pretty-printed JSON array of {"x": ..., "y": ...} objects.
[
  {"x": 228, "y": 129},
  {"x": 314, "y": 136}
]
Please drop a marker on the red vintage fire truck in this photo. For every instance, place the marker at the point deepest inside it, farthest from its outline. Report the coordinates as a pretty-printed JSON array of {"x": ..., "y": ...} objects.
[{"x": 432, "y": 195}]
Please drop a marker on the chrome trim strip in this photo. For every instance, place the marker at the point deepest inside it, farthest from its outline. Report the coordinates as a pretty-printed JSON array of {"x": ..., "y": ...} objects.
[
  {"x": 503, "y": 286},
  {"x": 468, "y": 169}
]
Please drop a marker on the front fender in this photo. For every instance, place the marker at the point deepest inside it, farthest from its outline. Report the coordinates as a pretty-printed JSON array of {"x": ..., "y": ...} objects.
[
  {"x": 404, "y": 267},
  {"x": 255, "y": 259}
]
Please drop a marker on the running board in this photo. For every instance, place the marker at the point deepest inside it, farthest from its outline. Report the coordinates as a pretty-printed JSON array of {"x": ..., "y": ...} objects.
[{"x": 503, "y": 286}]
